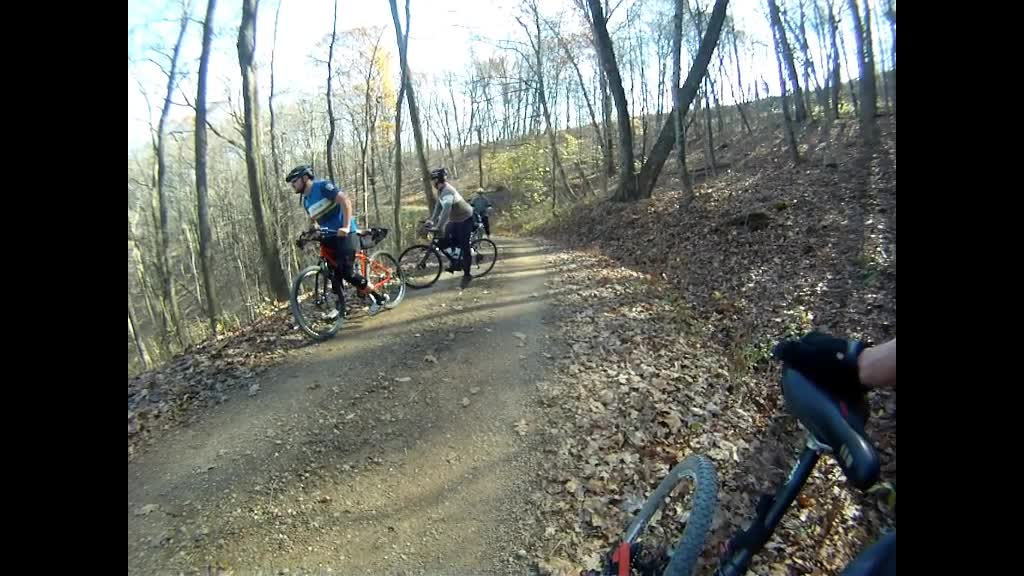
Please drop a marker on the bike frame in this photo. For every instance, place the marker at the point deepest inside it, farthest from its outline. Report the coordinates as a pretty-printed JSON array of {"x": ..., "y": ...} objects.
[
  {"x": 437, "y": 248},
  {"x": 770, "y": 510},
  {"x": 362, "y": 261},
  {"x": 747, "y": 542}
]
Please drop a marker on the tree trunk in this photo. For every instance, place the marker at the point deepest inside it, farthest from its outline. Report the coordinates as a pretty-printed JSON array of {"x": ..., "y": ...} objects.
[
  {"x": 480, "y": 156},
  {"x": 787, "y": 124},
  {"x": 809, "y": 71},
  {"x": 709, "y": 144},
  {"x": 537, "y": 43},
  {"x": 273, "y": 118},
  {"x": 283, "y": 220},
  {"x": 327, "y": 94},
  {"x": 268, "y": 247},
  {"x": 446, "y": 131},
  {"x": 852, "y": 83},
  {"x": 627, "y": 189},
  {"x": 455, "y": 120},
  {"x": 606, "y": 122},
  {"x": 866, "y": 61},
  {"x": 662, "y": 148},
  {"x": 679, "y": 125},
  {"x": 140, "y": 345},
  {"x": 402, "y": 40},
  {"x": 736, "y": 54},
  {"x": 202, "y": 191},
  {"x": 837, "y": 82},
  {"x": 369, "y": 120},
  {"x": 736, "y": 97},
  {"x": 786, "y": 53},
  {"x": 414, "y": 113},
  {"x": 890, "y": 14},
  {"x": 170, "y": 297},
  {"x": 586, "y": 97},
  {"x": 881, "y": 60},
  {"x": 190, "y": 243},
  {"x": 373, "y": 167}
]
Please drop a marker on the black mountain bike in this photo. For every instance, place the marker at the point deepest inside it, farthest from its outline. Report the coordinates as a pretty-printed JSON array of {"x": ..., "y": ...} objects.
[
  {"x": 834, "y": 426},
  {"x": 421, "y": 263}
]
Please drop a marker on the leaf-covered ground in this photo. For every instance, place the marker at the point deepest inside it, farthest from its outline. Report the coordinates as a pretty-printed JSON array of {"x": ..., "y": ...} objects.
[{"x": 668, "y": 317}]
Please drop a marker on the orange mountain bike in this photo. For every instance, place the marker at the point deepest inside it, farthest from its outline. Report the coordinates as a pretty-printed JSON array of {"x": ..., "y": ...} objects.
[{"x": 314, "y": 296}]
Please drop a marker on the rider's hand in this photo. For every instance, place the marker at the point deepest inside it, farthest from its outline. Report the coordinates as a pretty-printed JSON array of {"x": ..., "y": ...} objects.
[
  {"x": 343, "y": 231},
  {"x": 829, "y": 362}
]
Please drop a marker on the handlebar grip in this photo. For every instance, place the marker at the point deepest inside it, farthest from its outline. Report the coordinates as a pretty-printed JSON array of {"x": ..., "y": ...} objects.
[{"x": 835, "y": 423}]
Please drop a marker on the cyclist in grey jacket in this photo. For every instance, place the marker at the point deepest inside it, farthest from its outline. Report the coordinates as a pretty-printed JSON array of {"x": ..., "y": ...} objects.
[{"x": 454, "y": 217}]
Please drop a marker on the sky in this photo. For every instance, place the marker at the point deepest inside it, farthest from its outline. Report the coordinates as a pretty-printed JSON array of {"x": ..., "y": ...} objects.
[{"x": 445, "y": 36}]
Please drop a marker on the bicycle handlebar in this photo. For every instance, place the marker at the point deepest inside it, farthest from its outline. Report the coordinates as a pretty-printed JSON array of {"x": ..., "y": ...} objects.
[{"x": 835, "y": 422}]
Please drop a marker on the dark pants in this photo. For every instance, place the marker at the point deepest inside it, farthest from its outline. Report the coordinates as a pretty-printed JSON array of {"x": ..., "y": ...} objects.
[
  {"x": 486, "y": 222},
  {"x": 458, "y": 234},
  {"x": 345, "y": 255}
]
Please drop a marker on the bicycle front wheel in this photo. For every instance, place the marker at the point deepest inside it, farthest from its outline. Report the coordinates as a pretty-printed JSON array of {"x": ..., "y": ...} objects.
[
  {"x": 420, "y": 266},
  {"x": 312, "y": 302},
  {"x": 702, "y": 501},
  {"x": 385, "y": 277}
]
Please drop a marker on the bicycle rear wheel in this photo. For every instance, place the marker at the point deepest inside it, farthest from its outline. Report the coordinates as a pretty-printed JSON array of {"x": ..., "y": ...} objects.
[{"x": 485, "y": 254}]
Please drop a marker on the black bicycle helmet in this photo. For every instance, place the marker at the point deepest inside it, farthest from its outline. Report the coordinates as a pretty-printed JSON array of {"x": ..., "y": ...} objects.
[
  {"x": 439, "y": 174},
  {"x": 298, "y": 172}
]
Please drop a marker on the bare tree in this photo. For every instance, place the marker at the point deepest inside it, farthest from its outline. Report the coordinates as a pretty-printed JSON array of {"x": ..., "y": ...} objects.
[
  {"x": 283, "y": 220},
  {"x": 536, "y": 42},
  {"x": 480, "y": 156},
  {"x": 677, "y": 99},
  {"x": 662, "y": 148},
  {"x": 170, "y": 297},
  {"x": 784, "y": 51},
  {"x": 254, "y": 167},
  {"x": 583, "y": 85},
  {"x": 866, "y": 61},
  {"x": 397, "y": 202},
  {"x": 627, "y": 189},
  {"x": 778, "y": 35},
  {"x": 202, "y": 191},
  {"x": 414, "y": 113},
  {"x": 140, "y": 345},
  {"x": 330, "y": 104}
]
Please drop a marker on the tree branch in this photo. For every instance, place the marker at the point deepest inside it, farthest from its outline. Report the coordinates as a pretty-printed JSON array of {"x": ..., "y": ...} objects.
[{"x": 213, "y": 128}]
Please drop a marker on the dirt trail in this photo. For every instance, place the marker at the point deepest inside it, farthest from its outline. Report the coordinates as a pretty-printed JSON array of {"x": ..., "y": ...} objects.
[{"x": 402, "y": 446}]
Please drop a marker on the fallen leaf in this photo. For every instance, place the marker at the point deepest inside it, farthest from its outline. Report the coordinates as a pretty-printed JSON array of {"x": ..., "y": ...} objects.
[
  {"x": 403, "y": 379},
  {"x": 572, "y": 485},
  {"x": 147, "y": 509},
  {"x": 557, "y": 567},
  {"x": 522, "y": 427},
  {"x": 465, "y": 402},
  {"x": 430, "y": 358},
  {"x": 673, "y": 422}
]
